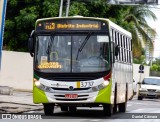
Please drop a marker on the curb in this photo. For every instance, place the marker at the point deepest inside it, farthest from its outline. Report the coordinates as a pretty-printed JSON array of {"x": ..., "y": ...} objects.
[
  {"x": 5, "y": 90},
  {"x": 18, "y": 103},
  {"x": 23, "y": 90}
]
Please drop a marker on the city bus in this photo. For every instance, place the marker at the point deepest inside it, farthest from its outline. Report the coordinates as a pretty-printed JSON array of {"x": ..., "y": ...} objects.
[{"x": 81, "y": 62}]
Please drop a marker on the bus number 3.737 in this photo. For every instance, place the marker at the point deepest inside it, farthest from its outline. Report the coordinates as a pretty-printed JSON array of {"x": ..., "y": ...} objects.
[{"x": 86, "y": 84}]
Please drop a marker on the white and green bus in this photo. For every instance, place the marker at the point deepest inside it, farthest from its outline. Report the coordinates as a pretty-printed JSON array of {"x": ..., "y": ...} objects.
[{"x": 81, "y": 62}]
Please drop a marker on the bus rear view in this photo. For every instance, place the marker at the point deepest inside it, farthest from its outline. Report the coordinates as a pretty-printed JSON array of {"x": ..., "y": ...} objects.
[{"x": 72, "y": 64}]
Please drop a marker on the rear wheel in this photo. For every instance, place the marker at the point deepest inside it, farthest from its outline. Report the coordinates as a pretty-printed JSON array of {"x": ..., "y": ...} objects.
[
  {"x": 48, "y": 108},
  {"x": 107, "y": 109},
  {"x": 140, "y": 97},
  {"x": 122, "y": 107},
  {"x": 115, "y": 99}
]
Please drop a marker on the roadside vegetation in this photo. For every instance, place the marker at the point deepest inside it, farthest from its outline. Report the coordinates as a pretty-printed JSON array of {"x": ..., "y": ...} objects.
[{"x": 155, "y": 68}]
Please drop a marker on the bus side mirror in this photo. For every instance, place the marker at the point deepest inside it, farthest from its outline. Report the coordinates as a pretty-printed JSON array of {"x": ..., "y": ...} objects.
[{"x": 31, "y": 44}]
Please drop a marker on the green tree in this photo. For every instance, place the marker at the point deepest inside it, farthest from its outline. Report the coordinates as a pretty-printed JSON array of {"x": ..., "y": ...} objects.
[
  {"x": 137, "y": 17},
  {"x": 154, "y": 67},
  {"x": 20, "y": 20},
  {"x": 78, "y": 8}
]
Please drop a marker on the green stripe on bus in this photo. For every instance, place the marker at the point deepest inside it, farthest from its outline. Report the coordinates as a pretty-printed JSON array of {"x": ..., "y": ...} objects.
[
  {"x": 37, "y": 77},
  {"x": 39, "y": 96},
  {"x": 104, "y": 95}
]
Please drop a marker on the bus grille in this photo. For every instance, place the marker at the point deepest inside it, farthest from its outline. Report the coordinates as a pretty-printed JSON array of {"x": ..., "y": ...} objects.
[
  {"x": 71, "y": 99},
  {"x": 67, "y": 89}
]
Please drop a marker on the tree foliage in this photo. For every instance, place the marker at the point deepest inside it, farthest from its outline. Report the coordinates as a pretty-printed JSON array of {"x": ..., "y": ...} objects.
[
  {"x": 20, "y": 20},
  {"x": 156, "y": 65}
]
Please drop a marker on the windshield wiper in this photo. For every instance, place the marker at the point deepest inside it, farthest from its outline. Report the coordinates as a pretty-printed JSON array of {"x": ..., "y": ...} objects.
[
  {"x": 84, "y": 43},
  {"x": 50, "y": 43},
  {"x": 37, "y": 48}
]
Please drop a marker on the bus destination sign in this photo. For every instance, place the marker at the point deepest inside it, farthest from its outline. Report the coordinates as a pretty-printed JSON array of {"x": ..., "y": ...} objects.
[
  {"x": 69, "y": 25},
  {"x": 52, "y": 26}
]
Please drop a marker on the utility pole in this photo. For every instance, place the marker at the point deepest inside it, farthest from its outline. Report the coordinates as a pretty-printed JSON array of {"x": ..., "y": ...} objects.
[
  {"x": 67, "y": 9},
  {"x": 61, "y": 9}
]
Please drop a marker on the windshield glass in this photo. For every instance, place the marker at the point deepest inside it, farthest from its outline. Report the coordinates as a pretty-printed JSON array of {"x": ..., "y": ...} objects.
[
  {"x": 72, "y": 53},
  {"x": 151, "y": 81}
]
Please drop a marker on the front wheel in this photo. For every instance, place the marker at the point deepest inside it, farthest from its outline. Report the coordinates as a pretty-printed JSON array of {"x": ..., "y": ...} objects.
[
  {"x": 48, "y": 108},
  {"x": 107, "y": 109}
]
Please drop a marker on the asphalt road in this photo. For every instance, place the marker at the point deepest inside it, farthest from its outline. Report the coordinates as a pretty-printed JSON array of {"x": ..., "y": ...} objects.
[
  {"x": 136, "y": 110},
  {"x": 146, "y": 109}
]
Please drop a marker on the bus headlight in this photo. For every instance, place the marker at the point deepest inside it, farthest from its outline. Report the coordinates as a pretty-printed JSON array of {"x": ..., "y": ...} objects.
[
  {"x": 43, "y": 87},
  {"x": 101, "y": 86}
]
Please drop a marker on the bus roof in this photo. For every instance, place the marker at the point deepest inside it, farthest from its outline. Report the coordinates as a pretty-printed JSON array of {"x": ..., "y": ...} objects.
[{"x": 111, "y": 24}]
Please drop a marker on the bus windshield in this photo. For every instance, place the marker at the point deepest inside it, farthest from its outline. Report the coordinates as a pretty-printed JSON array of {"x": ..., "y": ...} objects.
[{"x": 72, "y": 53}]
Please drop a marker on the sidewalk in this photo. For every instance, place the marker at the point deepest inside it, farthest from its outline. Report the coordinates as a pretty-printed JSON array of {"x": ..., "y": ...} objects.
[
  {"x": 18, "y": 97},
  {"x": 18, "y": 102},
  {"x": 16, "y": 75}
]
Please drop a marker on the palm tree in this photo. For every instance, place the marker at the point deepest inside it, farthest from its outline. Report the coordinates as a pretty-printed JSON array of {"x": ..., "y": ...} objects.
[{"x": 137, "y": 16}]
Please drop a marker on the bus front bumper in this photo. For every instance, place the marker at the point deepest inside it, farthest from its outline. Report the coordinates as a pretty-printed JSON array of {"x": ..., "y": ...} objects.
[{"x": 102, "y": 96}]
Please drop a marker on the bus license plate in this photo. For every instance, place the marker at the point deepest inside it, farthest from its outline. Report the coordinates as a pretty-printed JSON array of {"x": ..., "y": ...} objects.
[{"x": 71, "y": 96}]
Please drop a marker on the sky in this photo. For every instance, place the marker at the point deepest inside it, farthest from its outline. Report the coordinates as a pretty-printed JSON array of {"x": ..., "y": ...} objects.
[{"x": 156, "y": 25}]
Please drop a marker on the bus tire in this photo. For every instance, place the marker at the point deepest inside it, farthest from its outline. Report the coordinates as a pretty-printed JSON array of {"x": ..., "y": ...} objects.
[
  {"x": 72, "y": 109},
  {"x": 122, "y": 107},
  {"x": 64, "y": 108},
  {"x": 48, "y": 108},
  {"x": 140, "y": 98},
  {"x": 115, "y": 100},
  {"x": 107, "y": 109}
]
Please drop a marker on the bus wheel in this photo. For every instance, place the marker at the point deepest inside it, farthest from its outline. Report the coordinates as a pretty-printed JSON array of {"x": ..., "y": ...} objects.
[
  {"x": 115, "y": 108},
  {"x": 115, "y": 99},
  {"x": 72, "y": 109},
  {"x": 107, "y": 109},
  {"x": 122, "y": 107},
  {"x": 64, "y": 108},
  {"x": 48, "y": 108},
  {"x": 140, "y": 97}
]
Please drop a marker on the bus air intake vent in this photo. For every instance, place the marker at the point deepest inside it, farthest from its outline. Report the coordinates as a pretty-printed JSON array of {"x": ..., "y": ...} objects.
[
  {"x": 71, "y": 99},
  {"x": 67, "y": 89}
]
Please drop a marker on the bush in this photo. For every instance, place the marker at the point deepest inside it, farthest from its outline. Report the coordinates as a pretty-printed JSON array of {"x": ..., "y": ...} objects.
[{"x": 155, "y": 67}]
